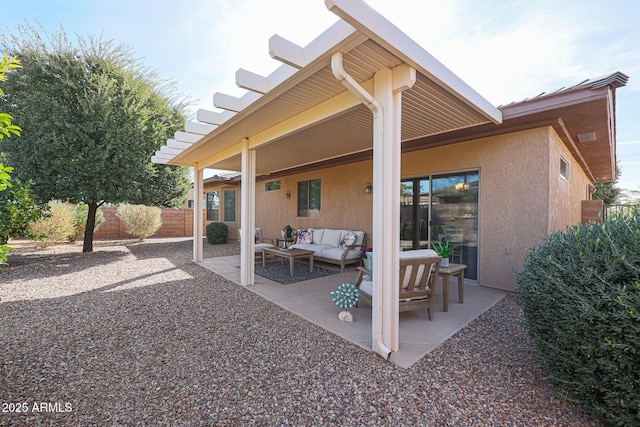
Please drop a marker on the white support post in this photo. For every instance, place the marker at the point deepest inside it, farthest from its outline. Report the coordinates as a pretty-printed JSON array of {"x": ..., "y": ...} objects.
[
  {"x": 247, "y": 215},
  {"x": 388, "y": 87},
  {"x": 198, "y": 219},
  {"x": 386, "y": 199}
]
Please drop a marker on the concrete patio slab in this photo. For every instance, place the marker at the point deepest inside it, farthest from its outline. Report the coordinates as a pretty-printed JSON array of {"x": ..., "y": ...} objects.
[{"x": 311, "y": 300}]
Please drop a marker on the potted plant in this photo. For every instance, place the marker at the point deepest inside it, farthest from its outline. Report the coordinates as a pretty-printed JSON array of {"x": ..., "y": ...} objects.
[
  {"x": 444, "y": 250},
  {"x": 287, "y": 231}
]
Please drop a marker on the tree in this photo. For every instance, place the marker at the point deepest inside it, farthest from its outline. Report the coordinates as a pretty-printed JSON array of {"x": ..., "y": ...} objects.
[
  {"x": 4, "y": 184},
  {"x": 607, "y": 191},
  {"x": 6, "y": 129},
  {"x": 92, "y": 116}
]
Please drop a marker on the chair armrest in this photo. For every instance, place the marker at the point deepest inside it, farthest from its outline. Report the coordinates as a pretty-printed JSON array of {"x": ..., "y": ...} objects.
[{"x": 361, "y": 273}]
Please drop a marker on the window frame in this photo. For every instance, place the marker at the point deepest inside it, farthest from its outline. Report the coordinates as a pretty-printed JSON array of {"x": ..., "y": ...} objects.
[
  {"x": 309, "y": 205},
  {"x": 226, "y": 197},
  {"x": 275, "y": 185},
  {"x": 564, "y": 168},
  {"x": 213, "y": 212}
]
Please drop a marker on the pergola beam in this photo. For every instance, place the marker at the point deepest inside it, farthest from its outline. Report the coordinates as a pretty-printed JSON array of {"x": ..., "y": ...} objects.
[
  {"x": 252, "y": 81},
  {"x": 186, "y": 137},
  {"x": 161, "y": 160},
  {"x": 286, "y": 52},
  {"x": 233, "y": 103},
  {"x": 172, "y": 143},
  {"x": 170, "y": 151},
  {"x": 213, "y": 117},
  {"x": 198, "y": 128}
]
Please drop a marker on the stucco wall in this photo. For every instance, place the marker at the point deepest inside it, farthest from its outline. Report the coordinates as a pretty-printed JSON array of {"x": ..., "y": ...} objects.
[
  {"x": 514, "y": 193},
  {"x": 566, "y": 195}
]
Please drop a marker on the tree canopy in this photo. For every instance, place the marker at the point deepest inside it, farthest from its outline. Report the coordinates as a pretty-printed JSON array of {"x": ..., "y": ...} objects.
[
  {"x": 91, "y": 117},
  {"x": 608, "y": 191}
]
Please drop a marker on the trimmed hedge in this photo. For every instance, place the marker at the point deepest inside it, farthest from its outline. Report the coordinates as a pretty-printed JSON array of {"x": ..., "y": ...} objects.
[
  {"x": 217, "y": 233},
  {"x": 580, "y": 292}
]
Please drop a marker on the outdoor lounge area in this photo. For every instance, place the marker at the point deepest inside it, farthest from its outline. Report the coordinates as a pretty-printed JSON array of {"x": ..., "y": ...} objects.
[
  {"x": 362, "y": 128},
  {"x": 310, "y": 299}
]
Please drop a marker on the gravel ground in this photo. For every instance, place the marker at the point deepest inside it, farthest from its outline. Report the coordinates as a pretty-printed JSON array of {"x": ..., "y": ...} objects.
[{"x": 137, "y": 334}]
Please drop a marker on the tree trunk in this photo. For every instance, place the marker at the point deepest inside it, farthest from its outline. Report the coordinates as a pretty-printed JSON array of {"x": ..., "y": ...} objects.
[{"x": 88, "y": 229}]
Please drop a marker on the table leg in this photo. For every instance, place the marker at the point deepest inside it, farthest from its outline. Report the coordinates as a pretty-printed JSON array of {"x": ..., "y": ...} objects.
[
  {"x": 461, "y": 287},
  {"x": 264, "y": 259},
  {"x": 290, "y": 265},
  {"x": 445, "y": 292},
  {"x": 311, "y": 263}
]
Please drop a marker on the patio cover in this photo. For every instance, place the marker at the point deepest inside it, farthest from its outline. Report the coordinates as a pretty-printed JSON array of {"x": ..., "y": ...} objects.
[{"x": 361, "y": 84}]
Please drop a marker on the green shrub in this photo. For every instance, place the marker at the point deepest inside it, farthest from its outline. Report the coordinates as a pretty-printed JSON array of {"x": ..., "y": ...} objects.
[
  {"x": 18, "y": 209},
  {"x": 217, "y": 233},
  {"x": 139, "y": 220},
  {"x": 55, "y": 228},
  {"x": 79, "y": 218},
  {"x": 580, "y": 292}
]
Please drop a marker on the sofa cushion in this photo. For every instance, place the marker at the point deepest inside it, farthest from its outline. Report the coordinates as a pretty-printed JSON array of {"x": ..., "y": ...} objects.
[
  {"x": 317, "y": 249},
  {"x": 336, "y": 253},
  {"x": 359, "y": 237},
  {"x": 260, "y": 246},
  {"x": 304, "y": 237},
  {"x": 348, "y": 238},
  {"x": 331, "y": 237},
  {"x": 316, "y": 235}
]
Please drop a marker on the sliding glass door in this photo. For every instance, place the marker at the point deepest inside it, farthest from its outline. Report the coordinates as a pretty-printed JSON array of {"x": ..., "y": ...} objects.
[
  {"x": 414, "y": 214},
  {"x": 444, "y": 208}
]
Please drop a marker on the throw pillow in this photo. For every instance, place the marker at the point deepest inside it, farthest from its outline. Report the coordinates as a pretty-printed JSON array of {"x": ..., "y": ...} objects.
[
  {"x": 348, "y": 239},
  {"x": 304, "y": 237},
  {"x": 258, "y": 237}
]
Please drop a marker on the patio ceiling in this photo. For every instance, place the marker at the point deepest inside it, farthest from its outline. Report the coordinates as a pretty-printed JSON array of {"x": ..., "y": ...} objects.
[{"x": 301, "y": 114}]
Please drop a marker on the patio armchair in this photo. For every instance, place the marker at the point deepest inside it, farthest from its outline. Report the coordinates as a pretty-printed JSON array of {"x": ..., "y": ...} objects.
[
  {"x": 261, "y": 242},
  {"x": 417, "y": 281}
]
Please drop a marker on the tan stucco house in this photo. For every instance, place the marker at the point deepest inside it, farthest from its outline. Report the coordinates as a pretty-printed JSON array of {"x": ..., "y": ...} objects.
[{"x": 363, "y": 129}]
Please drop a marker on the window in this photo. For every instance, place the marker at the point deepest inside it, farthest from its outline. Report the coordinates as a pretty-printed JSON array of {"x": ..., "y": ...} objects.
[
  {"x": 564, "y": 169},
  {"x": 229, "y": 205},
  {"x": 213, "y": 206},
  {"x": 272, "y": 185},
  {"x": 190, "y": 203},
  {"x": 309, "y": 198}
]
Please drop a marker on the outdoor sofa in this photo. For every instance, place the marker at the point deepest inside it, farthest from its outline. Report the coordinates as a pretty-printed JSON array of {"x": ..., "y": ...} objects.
[{"x": 340, "y": 247}]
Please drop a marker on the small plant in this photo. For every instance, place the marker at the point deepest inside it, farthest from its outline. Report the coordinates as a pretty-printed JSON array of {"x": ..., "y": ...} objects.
[
  {"x": 55, "y": 228},
  {"x": 139, "y": 220},
  {"x": 217, "y": 233},
  {"x": 443, "y": 249}
]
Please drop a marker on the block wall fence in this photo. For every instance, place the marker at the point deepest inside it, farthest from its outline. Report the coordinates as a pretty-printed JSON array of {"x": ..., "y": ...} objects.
[{"x": 175, "y": 223}]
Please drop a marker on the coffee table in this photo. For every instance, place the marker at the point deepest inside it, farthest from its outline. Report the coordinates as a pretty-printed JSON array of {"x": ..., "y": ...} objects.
[{"x": 290, "y": 254}]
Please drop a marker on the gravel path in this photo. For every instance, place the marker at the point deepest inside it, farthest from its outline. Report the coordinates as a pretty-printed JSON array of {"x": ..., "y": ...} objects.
[{"x": 137, "y": 334}]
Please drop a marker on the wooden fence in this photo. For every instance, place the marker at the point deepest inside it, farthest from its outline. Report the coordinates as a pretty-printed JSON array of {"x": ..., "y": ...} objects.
[{"x": 175, "y": 223}]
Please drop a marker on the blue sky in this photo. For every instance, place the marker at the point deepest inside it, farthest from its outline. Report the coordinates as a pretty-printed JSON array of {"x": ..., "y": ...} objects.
[{"x": 507, "y": 51}]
